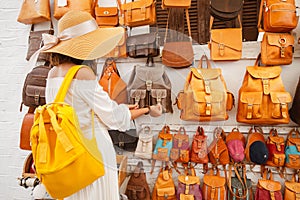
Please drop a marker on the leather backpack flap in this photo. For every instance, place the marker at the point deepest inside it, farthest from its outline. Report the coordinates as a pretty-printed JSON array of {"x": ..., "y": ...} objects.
[
  {"x": 235, "y": 134},
  {"x": 292, "y": 190},
  {"x": 223, "y": 47},
  {"x": 277, "y": 48},
  {"x": 107, "y": 16},
  {"x": 270, "y": 185}
]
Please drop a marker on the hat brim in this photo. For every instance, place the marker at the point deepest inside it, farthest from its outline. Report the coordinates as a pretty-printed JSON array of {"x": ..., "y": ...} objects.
[{"x": 90, "y": 46}]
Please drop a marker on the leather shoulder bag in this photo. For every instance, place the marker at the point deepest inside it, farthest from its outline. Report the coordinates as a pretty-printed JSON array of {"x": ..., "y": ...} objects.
[
  {"x": 106, "y": 16},
  {"x": 34, "y": 11}
]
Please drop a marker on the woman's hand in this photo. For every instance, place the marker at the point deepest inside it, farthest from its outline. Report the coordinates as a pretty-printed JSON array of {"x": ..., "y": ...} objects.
[
  {"x": 133, "y": 106},
  {"x": 155, "y": 110}
]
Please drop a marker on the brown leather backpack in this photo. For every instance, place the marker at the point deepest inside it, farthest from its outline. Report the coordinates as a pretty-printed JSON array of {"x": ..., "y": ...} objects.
[
  {"x": 164, "y": 187},
  {"x": 137, "y": 186},
  {"x": 262, "y": 96}
]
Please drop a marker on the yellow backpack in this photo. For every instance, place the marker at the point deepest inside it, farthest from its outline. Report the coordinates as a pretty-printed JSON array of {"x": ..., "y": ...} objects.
[{"x": 65, "y": 160}]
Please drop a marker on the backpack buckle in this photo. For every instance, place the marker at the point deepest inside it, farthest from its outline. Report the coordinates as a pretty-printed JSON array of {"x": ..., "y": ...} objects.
[
  {"x": 149, "y": 85},
  {"x": 36, "y": 99}
]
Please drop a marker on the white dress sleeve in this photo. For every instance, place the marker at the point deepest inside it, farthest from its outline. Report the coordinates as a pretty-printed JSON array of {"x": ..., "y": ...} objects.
[{"x": 114, "y": 116}]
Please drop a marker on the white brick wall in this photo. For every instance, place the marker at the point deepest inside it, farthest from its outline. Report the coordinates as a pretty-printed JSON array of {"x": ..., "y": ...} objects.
[{"x": 13, "y": 47}]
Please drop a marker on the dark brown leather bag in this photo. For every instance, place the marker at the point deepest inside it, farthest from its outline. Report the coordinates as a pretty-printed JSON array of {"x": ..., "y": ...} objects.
[
  {"x": 137, "y": 186},
  {"x": 143, "y": 45},
  {"x": 225, "y": 9},
  {"x": 27, "y": 123},
  {"x": 124, "y": 140},
  {"x": 294, "y": 110}
]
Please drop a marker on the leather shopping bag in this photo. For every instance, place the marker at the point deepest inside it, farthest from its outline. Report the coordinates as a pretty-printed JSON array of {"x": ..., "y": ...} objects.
[
  {"x": 178, "y": 54},
  {"x": 292, "y": 188},
  {"x": 225, "y": 9},
  {"x": 35, "y": 42},
  {"x": 294, "y": 110},
  {"x": 176, "y": 4},
  {"x": 225, "y": 43},
  {"x": 27, "y": 123},
  {"x": 277, "y": 48},
  {"x": 292, "y": 149},
  {"x": 139, "y": 13},
  {"x": 61, "y": 7},
  {"x": 34, "y": 11}
]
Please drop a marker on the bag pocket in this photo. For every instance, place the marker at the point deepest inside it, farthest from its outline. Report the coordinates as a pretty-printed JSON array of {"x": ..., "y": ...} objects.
[
  {"x": 186, "y": 197},
  {"x": 165, "y": 193},
  {"x": 184, "y": 156},
  {"x": 174, "y": 155},
  {"x": 278, "y": 159},
  {"x": 294, "y": 161},
  {"x": 180, "y": 100},
  {"x": 208, "y": 105},
  {"x": 138, "y": 97},
  {"x": 162, "y": 154},
  {"x": 251, "y": 105},
  {"x": 280, "y": 102},
  {"x": 159, "y": 96}
]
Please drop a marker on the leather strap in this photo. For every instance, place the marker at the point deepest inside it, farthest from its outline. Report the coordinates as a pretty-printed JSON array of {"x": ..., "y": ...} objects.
[{"x": 260, "y": 14}]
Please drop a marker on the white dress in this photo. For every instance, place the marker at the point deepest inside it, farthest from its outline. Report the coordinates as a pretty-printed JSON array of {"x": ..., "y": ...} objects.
[{"x": 85, "y": 95}]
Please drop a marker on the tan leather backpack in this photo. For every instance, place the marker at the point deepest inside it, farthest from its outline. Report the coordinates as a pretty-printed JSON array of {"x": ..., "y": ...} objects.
[
  {"x": 164, "y": 187},
  {"x": 292, "y": 188},
  {"x": 262, "y": 97},
  {"x": 214, "y": 186}
]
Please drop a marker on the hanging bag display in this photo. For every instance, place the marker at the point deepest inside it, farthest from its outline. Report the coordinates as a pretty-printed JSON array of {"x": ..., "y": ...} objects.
[
  {"x": 262, "y": 96},
  {"x": 144, "y": 147},
  {"x": 292, "y": 149},
  {"x": 214, "y": 186},
  {"x": 277, "y": 48},
  {"x": 178, "y": 54},
  {"x": 34, "y": 11},
  {"x": 59, "y": 148},
  {"x": 279, "y": 16},
  {"x": 205, "y": 96},
  {"x": 294, "y": 110},
  {"x": 199, "y": 152},
  {"x": 180, "y": 150},
  {"x": 222, "y": 46},
  {"x": 275, "y": 145}
]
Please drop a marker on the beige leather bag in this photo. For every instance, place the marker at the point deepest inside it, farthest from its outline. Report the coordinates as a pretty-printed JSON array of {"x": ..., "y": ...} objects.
[
  {"x": 205, "y": 96},
  {"x": 34, "y": 11}
]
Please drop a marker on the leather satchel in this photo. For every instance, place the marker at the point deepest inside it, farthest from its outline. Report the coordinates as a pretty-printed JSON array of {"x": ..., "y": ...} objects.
[
  {"x": 34, "y": 11},
  {"x": 277, "y": 48},
  {"x": 139, "y": 13},
  {"x": 27, "y": 123},
  {"x": 267, "y": 188},
  {"x": 199, "y": 153},
  {"x": 178, "y": 54},
  {"x": 176, "y": 4},
  {"x": 294, "y": 110},
  {"x": 222, "y": 46},
  {"x": 218, "y": 151},
  {"x": 292, "y": 188},
  {"x": 61, "y": 7},
  {"x": 124, "y": 140},
  {"x": 262, "y": 96},
  {"x": 292, "y": 149},
  {"x": 137, "y": 186},
  {"x": 180, "y": 151},
  {"x": 35, "y": 42},
  {"x": 225, "y": 9},
  {"x": 143, "y": 45},
  {"x": 276, "y": 146},
  {"x": 214, "y": 186},
  {"x": 278, "y": 16},
  {"x": 164, "y": 187},
  {"x": 107, "y": 16}
]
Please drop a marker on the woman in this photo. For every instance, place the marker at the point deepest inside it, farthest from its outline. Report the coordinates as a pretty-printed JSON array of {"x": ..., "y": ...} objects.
[{"x": 80, "y": 39}]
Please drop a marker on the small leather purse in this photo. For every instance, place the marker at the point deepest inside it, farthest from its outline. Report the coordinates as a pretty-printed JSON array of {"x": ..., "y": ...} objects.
[
  {"x": 34, "y": 11},
  {"x": 107, "y": 16}
]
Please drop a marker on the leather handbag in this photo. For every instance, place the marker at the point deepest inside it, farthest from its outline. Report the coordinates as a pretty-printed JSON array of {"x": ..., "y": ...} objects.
[
  {"x": 214, "y": 186},
  {"x": 292, "y": 188},
  {"x": 35, "y": 42},
  {"x": 163, "y": 145},
  {"x": 199, "y": 152},
  {"x": 124, "y": 140},
  {"x": 144, "y": 146},
  {"x": 137, "y": 186},
  {"x": 143, "y": 45},
  {"x": 292, "y": 149},
  {"x": 205, "y": 96},
  {"x": 277, "y": 48},
  {"x": 218, "y": 151},
  {"x": 180, "y": 151},
  {"x": 34, "y": 11},
  {"x": 178, "y": 54},
  {"x": 112, "y": 83},
  {"x": 139, "y": 13},
  {"x": 239, "y": 186},
  {"x": 236, "y": 143},
  {"x": 262, "y": 96},
  {"x": 276, "y": 146},
  {"x": 189, "y": 185},
  {"x": 107, "y": 16},
  {"x": 225, "y": 9},
  {"x": 294, "y": 110},
  {"x": 222, "y": 46},
  {"x": 278, "y": 16},
  {"x": 61, "y": 7},
  {"x": 120, "y": 51},
  {"x": 267, "y": 188},
  {"x": 164, "y": 187},
  {"x": 176, "y": 4},
  {"x": 27, "y": 123}
]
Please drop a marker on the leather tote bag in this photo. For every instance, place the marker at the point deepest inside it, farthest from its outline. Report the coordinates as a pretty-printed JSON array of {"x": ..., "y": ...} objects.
[
  {"x": 294, "y": 110},
  {"x": 34, "y": 11},
  {"x": 222, "y": 46},
  {"x": 277, "y": 48},
  {"x": 178, "y": 54}
]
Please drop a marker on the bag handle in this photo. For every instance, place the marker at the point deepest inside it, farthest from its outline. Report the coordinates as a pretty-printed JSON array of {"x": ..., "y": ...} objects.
[
  {"x": 204, "y": 57},
  {"x": 200, "y": 131},
  {"x": 180, "y": 130},
  {"x": 273, "y": 132},
  {"x": 244, "y": 183},
  {"x": 260, "y": 14},
  {"x": 294, "y": 130}
]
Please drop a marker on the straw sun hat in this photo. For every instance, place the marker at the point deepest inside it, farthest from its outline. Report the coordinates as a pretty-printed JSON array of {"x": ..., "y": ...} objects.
[{"x": 80, "y": 37}]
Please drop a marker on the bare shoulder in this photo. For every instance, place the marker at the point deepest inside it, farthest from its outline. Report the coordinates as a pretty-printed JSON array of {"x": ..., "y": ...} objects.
[{"x": 85, "y": 74}]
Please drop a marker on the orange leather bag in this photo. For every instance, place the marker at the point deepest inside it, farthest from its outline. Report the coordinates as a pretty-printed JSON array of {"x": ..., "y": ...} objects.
[
  {"x": 277, "y": 48},
  {"x": 180, "y": 151},
  {"x": 199, "y": 152},
  {"x": 275, "y": 144},
  {"x": 278, "y": 15},
  {"x": 27, "y": 123},
  {"x": 112, "y": 83},
  {"x": 139, "y": 13},
  {"x": 222, "y": 45},
  {"x": 34, "y": 11},
  {"x": 176, "y": 4},
  {"x": 262, "y": 96},
  {"x": 164, "y": 187},
  {"x": 61, "y": 7},
  {"x": 107, "y": 16},
  {"x": 214, "y": 186},
  {"x": 205, "y": 96},
  {"x": 292, "y": 188}
]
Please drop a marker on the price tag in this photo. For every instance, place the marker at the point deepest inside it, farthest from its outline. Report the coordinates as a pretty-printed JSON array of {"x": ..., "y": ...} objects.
[
  {"x": 260, "y": 36},
  {"x": 62, "y": 3}
]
